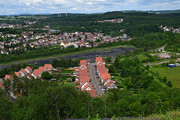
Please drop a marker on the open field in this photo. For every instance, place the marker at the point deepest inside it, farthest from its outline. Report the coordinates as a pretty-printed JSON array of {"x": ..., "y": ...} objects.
[{"x": 172, "y": 74}]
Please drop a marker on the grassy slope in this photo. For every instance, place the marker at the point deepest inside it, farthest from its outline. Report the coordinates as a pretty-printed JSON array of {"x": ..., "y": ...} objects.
[{"x": 172, "y": 74}]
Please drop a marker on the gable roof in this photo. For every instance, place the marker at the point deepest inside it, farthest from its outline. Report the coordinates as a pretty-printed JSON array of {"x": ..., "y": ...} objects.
[
  {"x": 48, "y": 66},
  {"x": 37, "y": 72},
  {"x": 1, "y": 85},
  {"x": 23, "y": 71},
  {"x": 17, "y": 74},
  {"x": 86, "y": 86},
  {"x": 7, "y": 77},
  {"x": 29, "y": 68},
  {"x": 109, "y": 83},
  {"x": 42, "y": 69},
  {"x": 83, "y": 62}
]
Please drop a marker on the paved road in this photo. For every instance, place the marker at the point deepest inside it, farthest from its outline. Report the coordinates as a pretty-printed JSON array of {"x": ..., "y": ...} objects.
[
  {"x": 156, "y": 63},
  {"x": 176, "y": 60},
  {"x": 93, "y": 78},
  {"x": 162, "y": 48}
]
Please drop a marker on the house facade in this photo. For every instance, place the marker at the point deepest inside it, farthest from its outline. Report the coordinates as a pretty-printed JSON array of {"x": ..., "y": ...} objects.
[{"x": 103, "y": 74}]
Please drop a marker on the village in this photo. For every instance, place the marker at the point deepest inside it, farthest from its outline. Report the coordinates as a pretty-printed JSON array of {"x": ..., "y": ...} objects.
[{"x": 29, "y": 40}]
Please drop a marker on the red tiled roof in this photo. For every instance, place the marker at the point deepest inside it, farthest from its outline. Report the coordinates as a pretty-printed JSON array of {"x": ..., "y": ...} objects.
[
  {"x": 83, "y": 62},
  {"x": 42, "y": 69},
  {"x": 17, "y": 74},
  {"x": 86, "y": 86},
  {"x": 7, "y": 77},
  {"x": 48, "y": 66},
  {"x": 66, "y": 42},
  {"x": 109, "y": 83},
  {"x": 23, "y": 71},
  {"x": 83, "y": 75},
  {"x": 29, "y": 76},
  {"x": 1, "y": 85},
  {"x": 76, "y": 82},
  {"x": 99, "y": 59},
  {"x": 29, "y": 68},
  {"x": 37, "y": 72}
]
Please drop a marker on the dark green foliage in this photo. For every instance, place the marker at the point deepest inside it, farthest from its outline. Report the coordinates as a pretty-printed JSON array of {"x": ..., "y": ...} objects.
[
  {"x": 150, "y": 41},
  {"x": 65, "y": 63},
  {"x": 5, "y": 106},
  {"x": 135, "y": 24},
  {"x": 169, "y": 83},
  {"x": 43, "y": 100},
  {"x": 46, "y": 75},
  {"x": 52, "y": 102},
  {"x": 111, "y": 69},
  {"x": 108, "y": 59}
]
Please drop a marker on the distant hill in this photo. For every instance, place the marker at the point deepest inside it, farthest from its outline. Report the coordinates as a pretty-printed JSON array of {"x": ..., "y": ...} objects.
[{"x": 152, "y": 11}]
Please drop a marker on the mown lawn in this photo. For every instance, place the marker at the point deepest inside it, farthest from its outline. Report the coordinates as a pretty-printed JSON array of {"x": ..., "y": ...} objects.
[{"x": 172, "y": 74}]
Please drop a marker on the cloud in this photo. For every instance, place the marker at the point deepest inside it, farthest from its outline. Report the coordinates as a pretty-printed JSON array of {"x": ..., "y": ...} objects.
[{"x": 84, "y": 6}]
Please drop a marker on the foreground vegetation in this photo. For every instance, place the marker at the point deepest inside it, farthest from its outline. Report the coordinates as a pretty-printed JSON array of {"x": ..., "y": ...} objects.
[{"x": 140, "y": 93}]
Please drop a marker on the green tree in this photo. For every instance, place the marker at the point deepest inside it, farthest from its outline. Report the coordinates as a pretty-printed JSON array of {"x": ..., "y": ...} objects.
[
  {"x": 169, "y": 83},
  {"x": 111, "y": 68},
  {"x": 5, "y": 106},
  {"x": 46, "y": 75},
  {"x": 108, "y": 59}
]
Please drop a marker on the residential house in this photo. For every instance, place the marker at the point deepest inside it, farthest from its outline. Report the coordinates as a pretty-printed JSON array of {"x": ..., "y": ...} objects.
[{"x": 104, "y": 76}]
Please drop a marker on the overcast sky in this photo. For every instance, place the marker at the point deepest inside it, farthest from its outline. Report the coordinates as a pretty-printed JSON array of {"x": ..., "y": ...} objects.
[{"x": 83, "y": 6}]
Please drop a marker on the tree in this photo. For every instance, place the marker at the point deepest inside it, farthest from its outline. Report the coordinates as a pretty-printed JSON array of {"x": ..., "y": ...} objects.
[
  {"x": 5, "y": 106},
  {"x": 55, "y": 63},
  {"x": 111, "y": 69},
  {"x": 73, "y": 79},
  {"x": 169, "y": 83},
  {"x": 7, "y": 85},
  {"x": 46, "y": 75},
  {"x": 108, "y": 59}
]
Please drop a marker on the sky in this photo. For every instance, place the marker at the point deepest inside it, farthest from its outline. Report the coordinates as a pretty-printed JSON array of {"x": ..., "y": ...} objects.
[{"x": 9, "y": 7}]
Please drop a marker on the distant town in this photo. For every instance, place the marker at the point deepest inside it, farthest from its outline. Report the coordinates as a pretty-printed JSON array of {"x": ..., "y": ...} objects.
[{"x": 30, "y": 40}]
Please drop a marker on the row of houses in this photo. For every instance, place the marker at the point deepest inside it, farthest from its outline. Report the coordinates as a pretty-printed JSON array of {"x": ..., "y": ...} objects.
[
  {"x": 83, "y": 78},
  {"x": 5, "y": 25},
  {"x": 104, "y": 76},
  {"x": 166, "y": 29},
  {"x": 30, "y": 73}
]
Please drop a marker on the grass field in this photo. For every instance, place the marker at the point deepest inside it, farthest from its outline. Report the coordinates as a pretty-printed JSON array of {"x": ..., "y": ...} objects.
[{"x": 172, "y": 74}]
